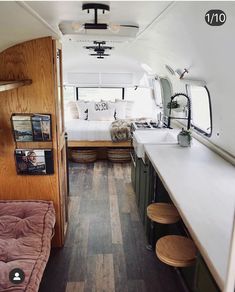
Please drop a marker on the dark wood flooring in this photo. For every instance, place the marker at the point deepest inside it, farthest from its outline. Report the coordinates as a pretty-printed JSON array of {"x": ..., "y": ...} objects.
[{"x": 105, "y": 244}]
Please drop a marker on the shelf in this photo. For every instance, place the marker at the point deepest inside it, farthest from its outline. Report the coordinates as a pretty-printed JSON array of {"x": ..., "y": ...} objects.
[
  {"x": 34, "y": 145},
  {"x": 8, "y": 85}
]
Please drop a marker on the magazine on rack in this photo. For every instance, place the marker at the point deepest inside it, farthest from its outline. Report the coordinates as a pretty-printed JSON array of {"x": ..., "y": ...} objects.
[
  {"x": 22, "y": 128},
  {"x": 41, "y": 127},
  {"x": 34, "y": 161}
]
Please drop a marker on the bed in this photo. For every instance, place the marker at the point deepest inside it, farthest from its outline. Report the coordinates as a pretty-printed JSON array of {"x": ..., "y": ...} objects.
[
  {"x": 26, "y": 228},
  {"x": 83, "y": 133}
]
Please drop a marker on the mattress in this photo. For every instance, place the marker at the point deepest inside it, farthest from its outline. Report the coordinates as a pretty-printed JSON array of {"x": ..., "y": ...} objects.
[
  {"x": 25, "y": 239},
  {"x": 82, "y": 130}
]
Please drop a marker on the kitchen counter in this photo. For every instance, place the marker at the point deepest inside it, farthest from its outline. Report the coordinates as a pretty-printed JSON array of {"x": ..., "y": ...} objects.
[{"x": 201, "y": 184}]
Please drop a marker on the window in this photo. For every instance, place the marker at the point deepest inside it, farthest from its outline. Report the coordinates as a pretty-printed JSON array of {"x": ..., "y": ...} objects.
[
  {"x": 157, "y": 93},
  {"x": 166, "y": 90},
  {"x": 201, "y": 109},
  {"x": 96, "y": 94}
]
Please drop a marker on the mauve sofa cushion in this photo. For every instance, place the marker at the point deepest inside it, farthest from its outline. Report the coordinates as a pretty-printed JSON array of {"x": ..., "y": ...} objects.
[{"x": 25, "y": 239}]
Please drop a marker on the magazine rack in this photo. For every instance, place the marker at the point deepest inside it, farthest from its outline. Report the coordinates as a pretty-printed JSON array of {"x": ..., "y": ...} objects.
[
  {"x": 33, "y": 139},
  {"x": 31, "y": 127},
  {"x": 34, "y": 161}
]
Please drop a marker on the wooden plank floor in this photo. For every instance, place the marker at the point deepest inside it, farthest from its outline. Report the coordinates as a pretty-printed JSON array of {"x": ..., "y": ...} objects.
[{"x": 105, "y": 244}]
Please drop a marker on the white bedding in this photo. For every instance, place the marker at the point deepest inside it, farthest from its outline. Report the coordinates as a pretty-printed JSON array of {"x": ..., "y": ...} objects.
[{"x": 82, "y": 130}]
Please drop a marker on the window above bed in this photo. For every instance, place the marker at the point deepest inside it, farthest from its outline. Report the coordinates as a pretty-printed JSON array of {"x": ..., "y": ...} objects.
[{"x": 98, "y": 94}]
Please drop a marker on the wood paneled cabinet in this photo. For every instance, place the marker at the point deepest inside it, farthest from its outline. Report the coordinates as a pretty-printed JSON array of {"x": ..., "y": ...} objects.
[
  {"x": 38, "y": 60},
  {"x": 61, "y": 150}
]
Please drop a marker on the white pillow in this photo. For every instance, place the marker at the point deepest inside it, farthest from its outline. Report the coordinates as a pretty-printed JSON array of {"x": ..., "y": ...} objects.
[
  {"x": 72, "y": 110},
  {"x": 82, "y": 107},
  {"x": 100, "y": 111},
  {"x": 129, "y": 107},
  {"x": 120, "y": 109}
]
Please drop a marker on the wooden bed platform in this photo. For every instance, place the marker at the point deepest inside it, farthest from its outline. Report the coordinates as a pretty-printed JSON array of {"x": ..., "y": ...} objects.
[
  {"x": 98, "y": 144},
  {"x": 101, "y": 150}
]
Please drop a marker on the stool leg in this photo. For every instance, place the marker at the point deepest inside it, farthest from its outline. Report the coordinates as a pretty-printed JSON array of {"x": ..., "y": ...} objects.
[{"x": 151, "y": 237}]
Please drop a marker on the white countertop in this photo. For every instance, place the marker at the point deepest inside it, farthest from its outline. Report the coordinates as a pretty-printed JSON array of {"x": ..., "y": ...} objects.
[{"x": 201, "y": 184}]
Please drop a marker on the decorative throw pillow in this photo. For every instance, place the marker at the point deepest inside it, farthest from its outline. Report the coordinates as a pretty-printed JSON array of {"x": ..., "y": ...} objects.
[
  {"x": 101, "y": 106},
  {"x": 71, "y": 110},
  {"x": 100, "y": 112},
  {"x": 82, "y": 107}
]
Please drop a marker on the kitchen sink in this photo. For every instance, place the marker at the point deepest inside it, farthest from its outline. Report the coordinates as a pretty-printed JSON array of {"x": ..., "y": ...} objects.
[{"x": 158, "y": 137}]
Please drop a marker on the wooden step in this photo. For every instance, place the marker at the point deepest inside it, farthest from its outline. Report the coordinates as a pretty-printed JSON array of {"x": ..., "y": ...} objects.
[
  {"x": 163, "y": 213},
  {"x": 176, "y": 251}
]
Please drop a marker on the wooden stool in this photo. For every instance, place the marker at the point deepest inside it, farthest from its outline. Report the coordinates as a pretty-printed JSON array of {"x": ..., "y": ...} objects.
[
  {"x": 177, "y": 251},
  {"x": 162, "y": 213}
]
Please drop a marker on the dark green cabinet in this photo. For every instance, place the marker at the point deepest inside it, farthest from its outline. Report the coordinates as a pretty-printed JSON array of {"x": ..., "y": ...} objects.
[
  {"x": 137, "y": 180},
  {"x": 133, "y": 172},
  {"x": 142, "y": 189},
  {"x": 149, "y": 188},
  {"x": 203, "y": 279}
]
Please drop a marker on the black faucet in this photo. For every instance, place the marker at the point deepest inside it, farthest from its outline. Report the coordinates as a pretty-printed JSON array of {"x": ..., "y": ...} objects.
[{"x": 189, "y": 110}]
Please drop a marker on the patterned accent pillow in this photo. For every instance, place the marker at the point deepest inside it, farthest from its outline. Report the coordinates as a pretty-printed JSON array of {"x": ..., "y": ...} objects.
[
  {"x": 100, "y": 113},
  {"x": 101, "y": 106}
]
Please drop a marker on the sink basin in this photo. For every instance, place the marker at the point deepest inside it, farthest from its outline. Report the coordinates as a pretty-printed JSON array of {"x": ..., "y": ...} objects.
[{"x": 158, "y": 137}]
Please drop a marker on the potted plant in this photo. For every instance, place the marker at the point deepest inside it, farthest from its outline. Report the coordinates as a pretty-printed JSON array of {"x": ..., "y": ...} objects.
[{"x": 184, "y": 138}]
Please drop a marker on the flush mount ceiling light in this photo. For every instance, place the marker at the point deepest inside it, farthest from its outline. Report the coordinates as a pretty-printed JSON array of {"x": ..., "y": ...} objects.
[
  {"x": 73, "y": 27},
  {"x": 99, "y": 49}
]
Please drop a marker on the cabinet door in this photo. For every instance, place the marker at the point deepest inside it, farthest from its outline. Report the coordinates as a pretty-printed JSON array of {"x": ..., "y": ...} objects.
[
  {"x": 137, "y": 180},
  {"x": 133, "y": 170},
  {"x": 203, "y": 279},
  {"x": 142, "y": 196},
  {"x": 149, "y": 191}
]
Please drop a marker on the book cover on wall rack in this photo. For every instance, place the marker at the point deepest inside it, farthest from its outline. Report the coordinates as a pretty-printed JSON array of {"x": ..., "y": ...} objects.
[
  {"x": 22, "y": 128},
  {"x": 34, "y": 161}
]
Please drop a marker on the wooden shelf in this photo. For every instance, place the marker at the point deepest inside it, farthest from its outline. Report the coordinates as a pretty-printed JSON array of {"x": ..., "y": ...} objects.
[
  {"x": 34, "y": 145},
  {"x": 8, "y": 85}
]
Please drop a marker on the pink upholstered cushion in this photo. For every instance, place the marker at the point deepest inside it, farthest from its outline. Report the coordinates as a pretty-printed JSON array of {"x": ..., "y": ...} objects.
[{"x": 25, "y": 240}]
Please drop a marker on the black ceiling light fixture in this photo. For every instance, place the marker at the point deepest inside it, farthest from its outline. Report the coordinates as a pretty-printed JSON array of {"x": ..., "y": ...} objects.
[
  {"x": 99, "y": 49},
  {"x": 95, "y": 7},
  {"x": 76, "y": 27}
]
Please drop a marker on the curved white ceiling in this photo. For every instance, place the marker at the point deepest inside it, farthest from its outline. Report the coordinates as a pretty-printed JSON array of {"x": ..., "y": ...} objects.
[{"x": 173, "y": 33}]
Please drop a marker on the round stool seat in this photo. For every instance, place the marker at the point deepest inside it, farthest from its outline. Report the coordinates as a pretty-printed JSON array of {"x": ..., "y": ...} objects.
[
  {"x": 176, "y": 251},
  {"x": 163, "y": 213}
]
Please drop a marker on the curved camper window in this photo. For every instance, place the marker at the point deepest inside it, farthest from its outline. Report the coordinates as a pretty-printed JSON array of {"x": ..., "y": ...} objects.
[
  {"x": 166, "y": 93},
  {"x": 201, "y": 108}
]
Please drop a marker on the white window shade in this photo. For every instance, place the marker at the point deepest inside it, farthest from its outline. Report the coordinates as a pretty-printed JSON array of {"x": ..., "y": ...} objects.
[
  {"x": 116, "y": 78},
  {"x": 83, "y": 78},
  {"x": 100, "y": 79}
]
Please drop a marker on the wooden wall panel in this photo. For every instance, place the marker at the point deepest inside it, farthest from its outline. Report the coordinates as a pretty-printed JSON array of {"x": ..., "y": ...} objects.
[{"x": 29, "y": 60}]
